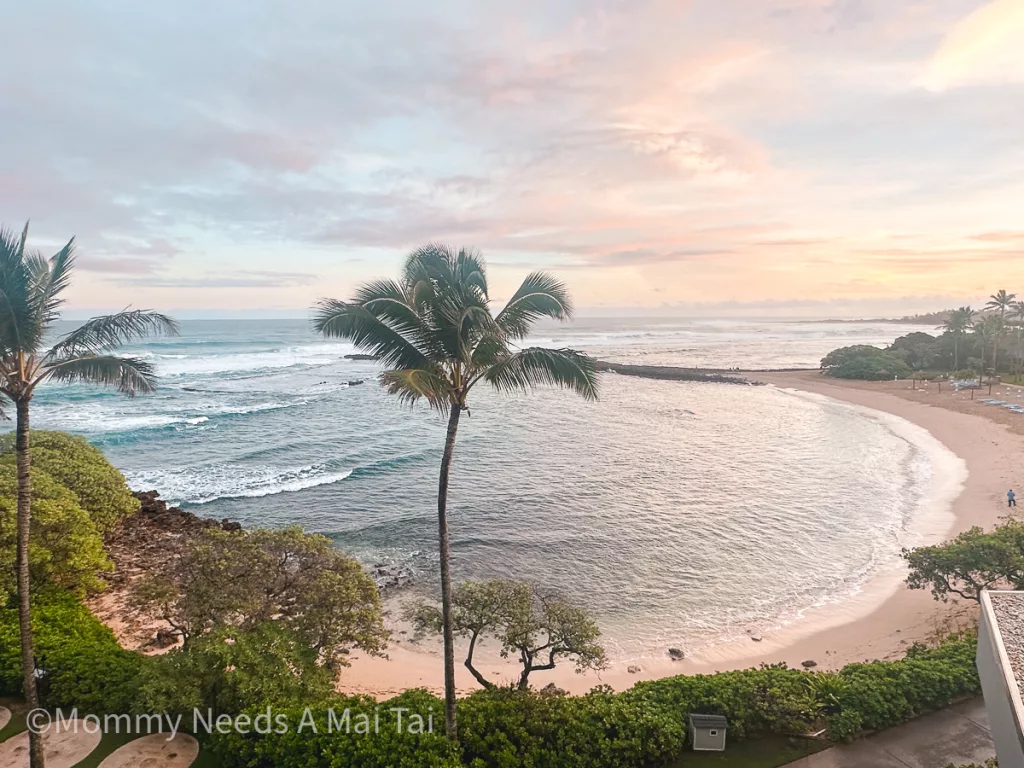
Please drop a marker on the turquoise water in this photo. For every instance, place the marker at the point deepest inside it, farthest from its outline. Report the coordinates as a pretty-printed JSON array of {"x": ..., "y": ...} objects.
[{"x": 678, "y": 513}]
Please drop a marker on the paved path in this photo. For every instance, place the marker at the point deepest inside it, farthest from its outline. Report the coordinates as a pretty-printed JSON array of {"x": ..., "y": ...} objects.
[{"x": 956, "y": 735}]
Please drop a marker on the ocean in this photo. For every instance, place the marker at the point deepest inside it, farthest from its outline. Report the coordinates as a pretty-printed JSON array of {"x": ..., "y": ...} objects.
[{"x": 680, "y": 514}]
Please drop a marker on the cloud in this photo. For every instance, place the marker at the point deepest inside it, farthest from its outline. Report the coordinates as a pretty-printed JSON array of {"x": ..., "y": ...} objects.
[
  {"x": 243, "y": 279},
  {"x": 986, "y": 46},
  {"x": 658, "y": 149}
]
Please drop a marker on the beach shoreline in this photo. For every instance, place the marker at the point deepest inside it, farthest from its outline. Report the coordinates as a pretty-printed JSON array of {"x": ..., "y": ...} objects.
[{"x": 879, "y": 622}]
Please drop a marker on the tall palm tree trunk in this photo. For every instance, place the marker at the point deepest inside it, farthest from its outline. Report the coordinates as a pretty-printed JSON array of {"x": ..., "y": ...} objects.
[
  {"x": 956, "y": 355},
  {"x": 446, "y": 578},
  {"x": 28, "y": 663}
]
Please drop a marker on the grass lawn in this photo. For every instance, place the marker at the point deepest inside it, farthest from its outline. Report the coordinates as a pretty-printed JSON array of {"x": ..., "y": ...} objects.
[
  {"x": 17, "y": 723},
  {"x": 762, "y": 753}
]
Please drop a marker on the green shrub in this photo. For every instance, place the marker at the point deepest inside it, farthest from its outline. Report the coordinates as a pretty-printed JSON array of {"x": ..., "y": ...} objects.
[
  {"x": 504, "y": 729},
  {"x": 880, "y": 694},
  {"x": 83, "y": 663},
  {"x": 65, "y": 549},
  {"x": 83, "y": 469},
  {"x": 331, "y": 745},
  {"x": 770, "y": 700},
  {"x": 228, "y": 671},
  {"x": 644, "y": 726},
  {"x": 862, "y": 361}
]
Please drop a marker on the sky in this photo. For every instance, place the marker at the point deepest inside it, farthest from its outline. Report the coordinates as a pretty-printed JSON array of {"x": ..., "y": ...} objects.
[{"x": 663, "y": 156}]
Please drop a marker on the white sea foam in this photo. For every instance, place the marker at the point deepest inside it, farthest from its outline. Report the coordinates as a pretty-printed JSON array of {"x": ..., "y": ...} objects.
[
  {"x": 171, "y": 366},
  {"x": 203, "y": 485}
]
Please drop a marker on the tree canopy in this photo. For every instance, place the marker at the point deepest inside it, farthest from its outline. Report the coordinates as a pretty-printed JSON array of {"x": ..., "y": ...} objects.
[
  {"x": 244, "y": 579},
  {"x": 973, "y": 561},
  {"x": 65, "y": 546},
  {"x": 82, "y": 468},
  {"x": 536, "y": 626},
  {"x": 862, "y": 361},
  {"x": 78, "y": 496}
]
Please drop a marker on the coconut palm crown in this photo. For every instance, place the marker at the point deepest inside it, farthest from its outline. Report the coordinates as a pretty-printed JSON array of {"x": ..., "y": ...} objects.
[
  {"x": 960, "y": 321},
  {"x": 31, "y": 295},
  {"x": 434, "y": 332}
]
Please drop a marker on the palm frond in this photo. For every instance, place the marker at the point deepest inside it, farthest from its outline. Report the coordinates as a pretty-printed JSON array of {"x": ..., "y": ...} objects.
[
  {"x": 356, "y": 323},
  {"x": 54, "y": 279},
  {"x": 535, "y": 365},
  {"x": 427, "y": 383},
  {"x": 129, "y": 375},
  {"x": 449, "y": 291},
  {"x": 16, "y": 282},
  {"x": 540, "y": 295},
  {"x": 110, "y": 331},
  {"x": 391, "y": 303}
]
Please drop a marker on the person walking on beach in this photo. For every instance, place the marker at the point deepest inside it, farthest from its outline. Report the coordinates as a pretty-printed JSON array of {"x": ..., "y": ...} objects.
[{"x": 1011, "y": 498}]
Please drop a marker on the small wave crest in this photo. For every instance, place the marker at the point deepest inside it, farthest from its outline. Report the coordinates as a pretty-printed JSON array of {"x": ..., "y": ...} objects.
[{"x": 202, "y": 485}]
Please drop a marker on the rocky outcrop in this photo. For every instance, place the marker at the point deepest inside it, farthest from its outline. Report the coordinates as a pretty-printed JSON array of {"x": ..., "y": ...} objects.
[
  {"x": 360, "y": 357},
  {"x": 676, "y": 654},
  {"x": 155, "y": 511},
  {"x": 674, "y": 374},
  {"x": 390, "y": 576}
]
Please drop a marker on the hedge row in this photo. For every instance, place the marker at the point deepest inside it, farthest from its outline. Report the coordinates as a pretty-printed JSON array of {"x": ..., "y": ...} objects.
[{"x": 645, "y": 725}]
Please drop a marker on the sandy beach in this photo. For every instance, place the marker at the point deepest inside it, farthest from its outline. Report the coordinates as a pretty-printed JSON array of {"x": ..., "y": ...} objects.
[{"x": 878, "y": 622}]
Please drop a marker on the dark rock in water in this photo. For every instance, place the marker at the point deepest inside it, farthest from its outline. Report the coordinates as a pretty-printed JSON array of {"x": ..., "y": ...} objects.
[
  {"x": 355, "y": 382},
  {"x": 633, "y": 669},
  {"x": 389, "y": 576},
  {"x": 553, "y": 690},
  {"x": 675, "y": 654},
  {"x": 809, "y": 663},
  {"x": 360, "y": 357},
  {"x": 156, "y": 511}
]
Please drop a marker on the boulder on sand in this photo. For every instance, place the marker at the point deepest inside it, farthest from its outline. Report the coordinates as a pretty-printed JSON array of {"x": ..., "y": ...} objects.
[{"x": 675, "y": 654}]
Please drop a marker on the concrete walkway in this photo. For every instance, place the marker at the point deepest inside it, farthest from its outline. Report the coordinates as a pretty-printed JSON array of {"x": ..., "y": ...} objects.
[{"x": 958, "y": 735}]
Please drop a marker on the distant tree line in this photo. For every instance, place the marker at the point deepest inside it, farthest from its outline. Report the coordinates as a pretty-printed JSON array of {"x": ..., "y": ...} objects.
[{"x": 971, "y": 344}]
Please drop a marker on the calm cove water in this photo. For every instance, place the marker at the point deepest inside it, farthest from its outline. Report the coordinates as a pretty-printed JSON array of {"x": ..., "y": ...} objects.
[{"x": 679, "y": 513}]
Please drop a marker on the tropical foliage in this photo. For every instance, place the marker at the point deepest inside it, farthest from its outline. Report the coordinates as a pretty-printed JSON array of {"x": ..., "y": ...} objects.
[
  {"x": 537, "y": 627},
  {"x": 242, "y": 580},
  {"x": 973, "y": 561},
  {"x": 31, "y": 296},
  {"x": 82, "y": 468},
  {"x": 65, "y": 546},
  {"x": 435, "y": 334},
  {"x": 228, "y": 670},
  {"x": 645, "y": 725},
  {"x": 863, "y": 362}
]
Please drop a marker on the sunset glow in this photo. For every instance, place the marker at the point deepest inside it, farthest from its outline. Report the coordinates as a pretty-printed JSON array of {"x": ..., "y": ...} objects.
[{"x": 654, "y": 154}]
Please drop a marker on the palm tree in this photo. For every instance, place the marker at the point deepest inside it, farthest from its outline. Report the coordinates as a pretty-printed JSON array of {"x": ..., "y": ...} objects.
[
  {"x": 988, "y": 330},
  {"x": 1002, "y": 301},
  {"x": 958, "y": 323},
  {"x": 1017, "y": 318},
  {"x": 31, "y": 289},
  {"x": 434, "y": 331}
]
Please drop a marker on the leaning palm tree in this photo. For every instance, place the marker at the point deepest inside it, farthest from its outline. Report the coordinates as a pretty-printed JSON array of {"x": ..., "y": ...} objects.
[
  {"x": 31, "y": 289},
  {"x": 958, "y": 323},
  {"x": 434, "y": 331},
  {"x": 1002, "y": 301}
]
